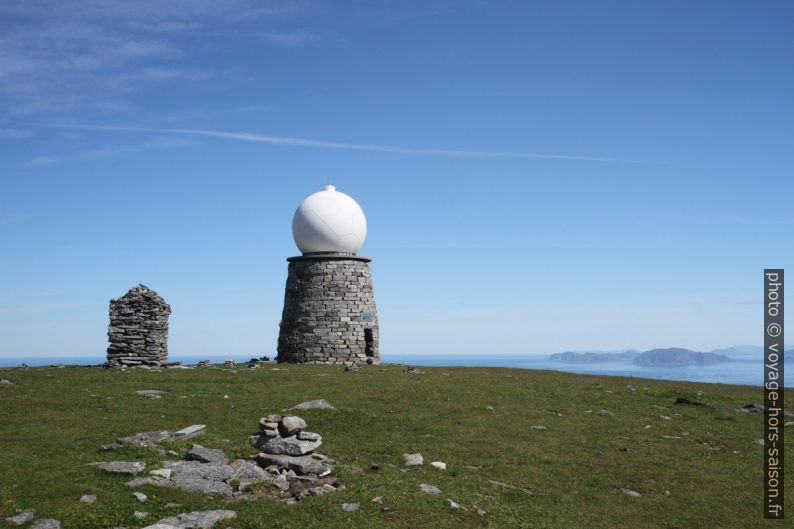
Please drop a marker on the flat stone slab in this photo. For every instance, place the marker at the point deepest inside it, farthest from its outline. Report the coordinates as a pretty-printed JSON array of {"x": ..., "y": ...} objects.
[
  {"x": 300, "y": 464},
  {"x": 22, "y": 518},
  {"x": 131, "y": 468},
  {"x": 151, "y": 393},
  {"x": 291, "y": 446},
  {"x": 206, "y": 455},
  {"x": 193, "y": 520},
  {"x": 149, "y": 439},
  {"x": 190, "y": 431},
  {"x": 46, "y": 523},
  {"x": 319, "y": 404}
]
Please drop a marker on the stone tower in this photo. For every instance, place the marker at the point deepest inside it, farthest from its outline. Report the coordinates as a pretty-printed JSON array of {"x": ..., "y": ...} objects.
[
  {"x": 329, "y": 314},
  {"x": 138, "y": 330}
]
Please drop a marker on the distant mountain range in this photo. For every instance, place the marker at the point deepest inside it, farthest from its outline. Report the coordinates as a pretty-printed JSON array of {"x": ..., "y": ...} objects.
[{"x": 670, "y": 357}]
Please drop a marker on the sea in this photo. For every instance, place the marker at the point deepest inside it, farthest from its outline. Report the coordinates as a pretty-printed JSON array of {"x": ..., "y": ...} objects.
[{"x": 743, "y": 369}]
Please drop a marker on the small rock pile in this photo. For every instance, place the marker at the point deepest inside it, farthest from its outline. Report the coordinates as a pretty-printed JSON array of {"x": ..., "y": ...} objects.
[
  {"x": 138, "y": 330},
  {"x": 288, "y": 449},
  {"x": 287, "y": 466}
]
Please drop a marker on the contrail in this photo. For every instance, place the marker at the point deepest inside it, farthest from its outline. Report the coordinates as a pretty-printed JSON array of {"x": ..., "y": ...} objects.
[{"x": 324, "y": 144}]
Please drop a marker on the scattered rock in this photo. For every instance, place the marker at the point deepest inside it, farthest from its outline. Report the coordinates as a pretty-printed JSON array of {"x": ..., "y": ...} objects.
[
  {"x": 632, "y": 493},
  {"x": 665, "y": 418},
  {"x": 430, "y": 489},
  {"x": 5, "y": 382},
  {"x": 538, "y": 427},
  {"x": 88, "y": 498},
  {"x": 604, "y": 412},
  {"x": 439, "y": 465},
  {"x": 161, "y": 473},
  {"x": 452, "y": 504},
  {"x": 760, "y": 442},
  {"x": 319, "y": 404},
  {"x": 150, "y": 439},
  {"x": 206, "y": 455},
  {"x": 758, "y": 408},
  {"x": 291, "y": 424},
  {"x": 508, "y": 486},
  {"x": 479, "y": 511},
  {"x": 193, "y": 520},
  {"x": 377, "y": 499},
  {"x": 489, "y": 408},
  {"x": 294, "y": 445},
  {"x": 229, "y": 363},
  {"x": 413, "y": 460},
  {"x": 121, "y": 467},
  {"x": 412, "y": 370},
  {"x": 140, "y": 515},
  {"x": 46, "y": 523},
  {"x": 684, "y": 400},
  {"x": 151, "y": 393},
  {"x": 141, "y": 497},
  {"x": 350, "y": 507},
  {"x": 22, "y": 518}
]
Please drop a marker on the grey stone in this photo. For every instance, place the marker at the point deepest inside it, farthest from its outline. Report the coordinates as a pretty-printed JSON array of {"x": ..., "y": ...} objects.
[
  {"x": 319, "y": 404},
  {"x": 140, "y": 515},
  {"x": 630, "y": 492},
  {"x": 439, "y": 465},
  {"x": 150, "y": 392},
  {"x": 138, "y": 330},
  {"x": 46, "y": 523},
  {"x": 430, "y": 489},
  {"x": 291, "y": 446},
  {"x": 317, "y": 491},
  {"x": 300, "y": 464},
  {"x": 206, "y": 455},
  {"x": 140, "y": 496},
  {"x": 140, "y": 482},
  {"x": 503, "y": 485},
  {"x": 350, "y": 507},
  {"x": 190, "y": 431},
  {"x": 291, "y": 424},
  {"x": 194, "y": 520},
  {"x": 452, "y": 504},
  {"x": 604, "y": 412},
  {"x": 22, "y": 518},
  {"x": 4, "y": 381},
  {"x": 121, "y": 467},
  {"x": 329, "y": 314},
  {"x": 88, "y": 498},
  {"x": 377, "y": 499},
  {"x": 413, "y": 460}
]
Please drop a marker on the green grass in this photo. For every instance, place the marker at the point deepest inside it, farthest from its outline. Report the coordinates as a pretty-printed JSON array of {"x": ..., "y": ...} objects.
[{"x": 53, "y": 421}]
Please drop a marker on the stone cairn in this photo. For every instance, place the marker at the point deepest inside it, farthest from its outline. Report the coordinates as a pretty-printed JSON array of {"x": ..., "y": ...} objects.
[
  {"x": 138, "y": 330},
  {"x": 287, "y": 467}
]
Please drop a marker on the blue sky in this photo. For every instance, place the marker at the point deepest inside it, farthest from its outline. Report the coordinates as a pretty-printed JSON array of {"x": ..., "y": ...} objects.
[{"x": 537, "y": 176}]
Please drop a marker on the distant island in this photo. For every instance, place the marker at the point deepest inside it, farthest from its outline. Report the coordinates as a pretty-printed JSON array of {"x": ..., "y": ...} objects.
[
  {"x": 678, "y": 357},
  {"x": 670, "y": 357},
  {"x": 571, "y": 357}
]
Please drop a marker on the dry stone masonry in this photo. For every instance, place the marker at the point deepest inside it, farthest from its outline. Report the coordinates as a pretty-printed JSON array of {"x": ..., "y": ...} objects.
[
  {"x": 329, "y": 312},
  {"x": 138, "y": 330}
]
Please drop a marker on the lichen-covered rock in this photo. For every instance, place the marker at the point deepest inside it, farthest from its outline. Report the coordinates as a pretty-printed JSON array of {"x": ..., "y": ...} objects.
[
  {"x": 138, "y": 330},
  {"x": 206, "y": 455},
  {"x": 291, "y": 424},
  {"x": 22, "y": 518},
  {"x": 193, "y": 520},
  {"x": 121, "y": 467}
]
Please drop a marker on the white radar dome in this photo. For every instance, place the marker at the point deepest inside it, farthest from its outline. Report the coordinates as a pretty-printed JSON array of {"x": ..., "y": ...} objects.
[{"x": 329, "y": 221}]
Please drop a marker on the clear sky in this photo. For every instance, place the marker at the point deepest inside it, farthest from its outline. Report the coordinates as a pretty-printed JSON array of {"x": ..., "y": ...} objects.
[{"x": 537, "y": 175}]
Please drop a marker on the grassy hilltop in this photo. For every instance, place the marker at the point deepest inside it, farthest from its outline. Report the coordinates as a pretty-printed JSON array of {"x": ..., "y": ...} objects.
[{"x": 698, "y": 468}]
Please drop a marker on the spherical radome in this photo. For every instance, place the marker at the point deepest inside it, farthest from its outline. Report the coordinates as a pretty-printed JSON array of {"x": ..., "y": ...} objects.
[{"x": 329, "y": 221}]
